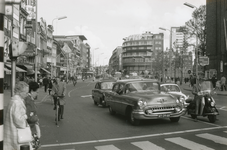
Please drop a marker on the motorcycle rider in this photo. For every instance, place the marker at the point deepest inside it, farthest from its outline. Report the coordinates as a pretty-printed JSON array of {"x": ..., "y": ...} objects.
[{"x": 198, "y": 97}]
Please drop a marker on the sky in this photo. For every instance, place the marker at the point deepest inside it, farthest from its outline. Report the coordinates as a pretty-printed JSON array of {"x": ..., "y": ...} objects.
[{"x": 106, "y": 22}]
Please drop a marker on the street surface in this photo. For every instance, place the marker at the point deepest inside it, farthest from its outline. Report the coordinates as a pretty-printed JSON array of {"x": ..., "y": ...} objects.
[{"x": 89, "y": 127}]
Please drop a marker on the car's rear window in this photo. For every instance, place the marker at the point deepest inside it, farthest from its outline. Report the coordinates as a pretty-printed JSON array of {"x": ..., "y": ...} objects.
[{"x": 107, "y": 85}]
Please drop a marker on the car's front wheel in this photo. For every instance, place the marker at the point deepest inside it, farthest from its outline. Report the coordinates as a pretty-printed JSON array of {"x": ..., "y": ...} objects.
[
  {"x": 175, "y": 119},
  {"x": 112, "y": 112},
  {"x": 131, "y": 118}
]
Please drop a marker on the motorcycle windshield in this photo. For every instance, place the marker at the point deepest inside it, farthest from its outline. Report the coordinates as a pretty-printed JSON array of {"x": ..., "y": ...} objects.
[{"x": 206, "y": 86}]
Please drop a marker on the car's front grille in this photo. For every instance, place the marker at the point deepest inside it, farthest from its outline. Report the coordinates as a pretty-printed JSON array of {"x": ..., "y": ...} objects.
[{"x": 159, "y": 109}]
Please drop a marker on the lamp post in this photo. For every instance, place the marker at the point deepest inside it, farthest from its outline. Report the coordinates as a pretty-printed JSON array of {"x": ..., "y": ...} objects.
[
  {"x": 94, "y": 57},
  {"x": 171, "y": 52},
  {"x": 196, "y": 47},
  {"x": 51, "y": 65},
  {"x": 3, "y": 4}
]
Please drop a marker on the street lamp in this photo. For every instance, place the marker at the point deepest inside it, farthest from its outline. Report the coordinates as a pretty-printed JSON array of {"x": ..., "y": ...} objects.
[
  {"x": 171, "y": 52},
  {"x": 94, "y": 56},
  {"x": 196, "y": 53},
  {"x": 57, "y": 18}
]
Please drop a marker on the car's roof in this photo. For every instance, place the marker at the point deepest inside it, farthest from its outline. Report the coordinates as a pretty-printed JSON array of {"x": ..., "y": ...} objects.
[
  {"x": 135, "y": 80},
  {"x": 107, "y": 80},
  {"x": 168, "y": 84}
]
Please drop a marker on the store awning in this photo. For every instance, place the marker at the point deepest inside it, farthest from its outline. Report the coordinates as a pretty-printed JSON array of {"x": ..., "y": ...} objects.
[
  {"x": 7, "y": 70},
  {"x": 17, "y": 68},
  {"x": 46, "y": 70}
]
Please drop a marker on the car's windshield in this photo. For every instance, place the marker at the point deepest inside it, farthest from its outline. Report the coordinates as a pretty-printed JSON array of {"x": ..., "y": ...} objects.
[
  {"x": 170, "y": 88},
  {"x": 143, "y": 86},
  {"x": 107, "y": 85}
]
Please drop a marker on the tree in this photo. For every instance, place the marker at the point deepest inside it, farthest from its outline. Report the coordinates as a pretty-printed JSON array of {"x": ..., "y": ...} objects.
[{"x": 197, "y": 27}]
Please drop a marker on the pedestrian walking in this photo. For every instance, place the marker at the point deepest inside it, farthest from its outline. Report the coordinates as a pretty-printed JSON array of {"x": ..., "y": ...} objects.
[
  {"x": 45, "y": 83},
  {"x": 50, "y": 86},
  {"x": 214, "y": 80},
  {"x": 15, "y": 117},
  {"x": 223, "y": 83},
  {"x": 31, "y": 111}
]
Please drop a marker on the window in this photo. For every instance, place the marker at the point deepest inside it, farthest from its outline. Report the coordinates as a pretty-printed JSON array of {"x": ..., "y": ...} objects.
[
  {"x": 22, "y": 25},
  {"x": 115, "y": 88},
  {"x": 5, "y": 22}
]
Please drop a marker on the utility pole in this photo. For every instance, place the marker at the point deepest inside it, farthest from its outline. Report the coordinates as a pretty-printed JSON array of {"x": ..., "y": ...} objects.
[{"x": 2, "y": 14}]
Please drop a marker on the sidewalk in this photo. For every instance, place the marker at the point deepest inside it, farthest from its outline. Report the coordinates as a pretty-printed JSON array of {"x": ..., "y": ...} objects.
[
  {"x": 42, "y": 94},
  {"x": 187, "y": 88}
]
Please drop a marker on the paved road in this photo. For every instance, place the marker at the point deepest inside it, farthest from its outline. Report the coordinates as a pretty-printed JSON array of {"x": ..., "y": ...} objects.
[{"x": 89, "y": 127}]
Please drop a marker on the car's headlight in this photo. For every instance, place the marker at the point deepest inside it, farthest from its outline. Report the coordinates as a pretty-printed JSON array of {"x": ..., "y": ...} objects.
[
  {"x": 141, "y": 103},
  {"x": 177, "y": 109}
]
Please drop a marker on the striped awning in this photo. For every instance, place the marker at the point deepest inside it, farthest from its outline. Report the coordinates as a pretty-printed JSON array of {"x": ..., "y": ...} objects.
[{"x": 17, "y": 68}]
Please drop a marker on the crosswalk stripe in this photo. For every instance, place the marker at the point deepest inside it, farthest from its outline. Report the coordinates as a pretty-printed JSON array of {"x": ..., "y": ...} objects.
[
  {"x": 188, "y": 144},
  {"x": 215, "y": 138},
  {"x": 146, "y": 145},
  {"x": 105, "y": 147}
]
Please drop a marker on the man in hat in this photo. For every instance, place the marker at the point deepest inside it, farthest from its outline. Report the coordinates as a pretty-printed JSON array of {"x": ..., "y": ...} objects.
[{"x": 198, "y": 97}]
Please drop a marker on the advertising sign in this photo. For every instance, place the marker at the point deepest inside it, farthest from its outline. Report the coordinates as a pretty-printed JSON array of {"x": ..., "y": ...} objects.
[{"x": 203, "y": 60}]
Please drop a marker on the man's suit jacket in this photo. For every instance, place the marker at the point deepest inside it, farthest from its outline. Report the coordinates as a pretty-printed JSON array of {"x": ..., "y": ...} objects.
[{"x": 59, "y": 89}]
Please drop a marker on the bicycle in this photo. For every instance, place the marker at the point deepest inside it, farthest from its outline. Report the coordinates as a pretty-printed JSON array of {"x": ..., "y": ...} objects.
[
  {"x": 74, "y": 82},
  {"x": 57, "y": 110}
]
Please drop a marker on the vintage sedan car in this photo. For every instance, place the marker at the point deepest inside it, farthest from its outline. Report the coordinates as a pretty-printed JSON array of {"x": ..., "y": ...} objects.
[
  {"x": 98, "y": 93},
  {"x": 139, "y": 99},
  {"x": 175, "y": 90}
]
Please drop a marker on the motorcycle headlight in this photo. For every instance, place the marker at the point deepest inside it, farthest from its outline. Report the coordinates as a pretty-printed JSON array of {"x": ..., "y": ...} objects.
[
  {"x": 212, "y": 104},
  {"x": 177, "y": 101},
  {"x": 141, "y": 103}
]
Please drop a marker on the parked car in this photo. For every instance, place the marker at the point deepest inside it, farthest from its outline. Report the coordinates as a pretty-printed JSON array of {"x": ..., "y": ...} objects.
[
  {"x": 175, "y": 90},
  {"x": 98, "y": 93},
  {"x": 139, "y": 99}
]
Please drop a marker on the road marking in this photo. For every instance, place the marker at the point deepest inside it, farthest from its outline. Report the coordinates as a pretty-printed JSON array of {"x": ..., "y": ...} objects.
[
  {"x": 134, "y": 137},
  {"x": 146, "y": 145},
  {"x": 215, "y": 138},
  {"x": 86, "y": 96},
  {"x": 223, "y": 108},
  {"x": 105, "y": 147},
  {"x": 187, "y": 143},
  {"x": 76, "y": 89}
]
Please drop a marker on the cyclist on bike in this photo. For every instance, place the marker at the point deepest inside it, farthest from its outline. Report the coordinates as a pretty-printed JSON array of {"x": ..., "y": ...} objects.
[
  {"x": 74, "y": 80},
  {"x": 59, "y": 90}
]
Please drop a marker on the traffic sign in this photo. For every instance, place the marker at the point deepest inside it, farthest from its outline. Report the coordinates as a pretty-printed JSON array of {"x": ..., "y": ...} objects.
[
  {"x": 203, "y": 60},
  {"x": 189, "y": 71}
]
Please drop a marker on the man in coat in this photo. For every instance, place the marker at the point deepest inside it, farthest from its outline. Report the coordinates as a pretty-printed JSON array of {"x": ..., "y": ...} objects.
[
  {"x": 45, "y": 83},
  {"x": 59, "y": 90}
]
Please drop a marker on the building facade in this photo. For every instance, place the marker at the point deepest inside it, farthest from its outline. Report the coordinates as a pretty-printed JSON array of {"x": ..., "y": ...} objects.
[
  {"x": 139, "y": 52},
  {"x": 216, "y": 49}
]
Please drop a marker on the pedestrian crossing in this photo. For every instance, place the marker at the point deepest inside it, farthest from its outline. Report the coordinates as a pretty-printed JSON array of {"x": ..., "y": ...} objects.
[{"x": 178, "y": 141}]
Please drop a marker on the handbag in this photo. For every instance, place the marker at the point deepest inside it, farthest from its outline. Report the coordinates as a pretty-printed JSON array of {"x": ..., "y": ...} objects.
[{"x": 24, "y": 135}]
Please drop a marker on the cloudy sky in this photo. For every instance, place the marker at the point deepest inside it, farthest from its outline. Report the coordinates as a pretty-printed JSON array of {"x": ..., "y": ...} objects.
[{"x": 106, "y": 22}]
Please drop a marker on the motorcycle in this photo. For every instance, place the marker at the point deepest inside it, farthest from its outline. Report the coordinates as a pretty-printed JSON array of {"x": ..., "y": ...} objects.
[{"x": 209, "y": 109}]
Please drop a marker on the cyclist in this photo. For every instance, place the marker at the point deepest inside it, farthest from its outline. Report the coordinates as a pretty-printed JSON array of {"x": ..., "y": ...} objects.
[
  {"x": 59, "y": 90},
  {"x": 74, "y": 80}
]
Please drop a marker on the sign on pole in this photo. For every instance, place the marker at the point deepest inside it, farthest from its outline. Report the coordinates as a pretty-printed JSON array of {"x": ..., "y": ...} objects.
[{"x": 203, "y": 60}]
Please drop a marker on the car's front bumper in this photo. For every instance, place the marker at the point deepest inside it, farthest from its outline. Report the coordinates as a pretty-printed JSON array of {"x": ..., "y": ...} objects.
[{"x": 140, "y": 114}]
